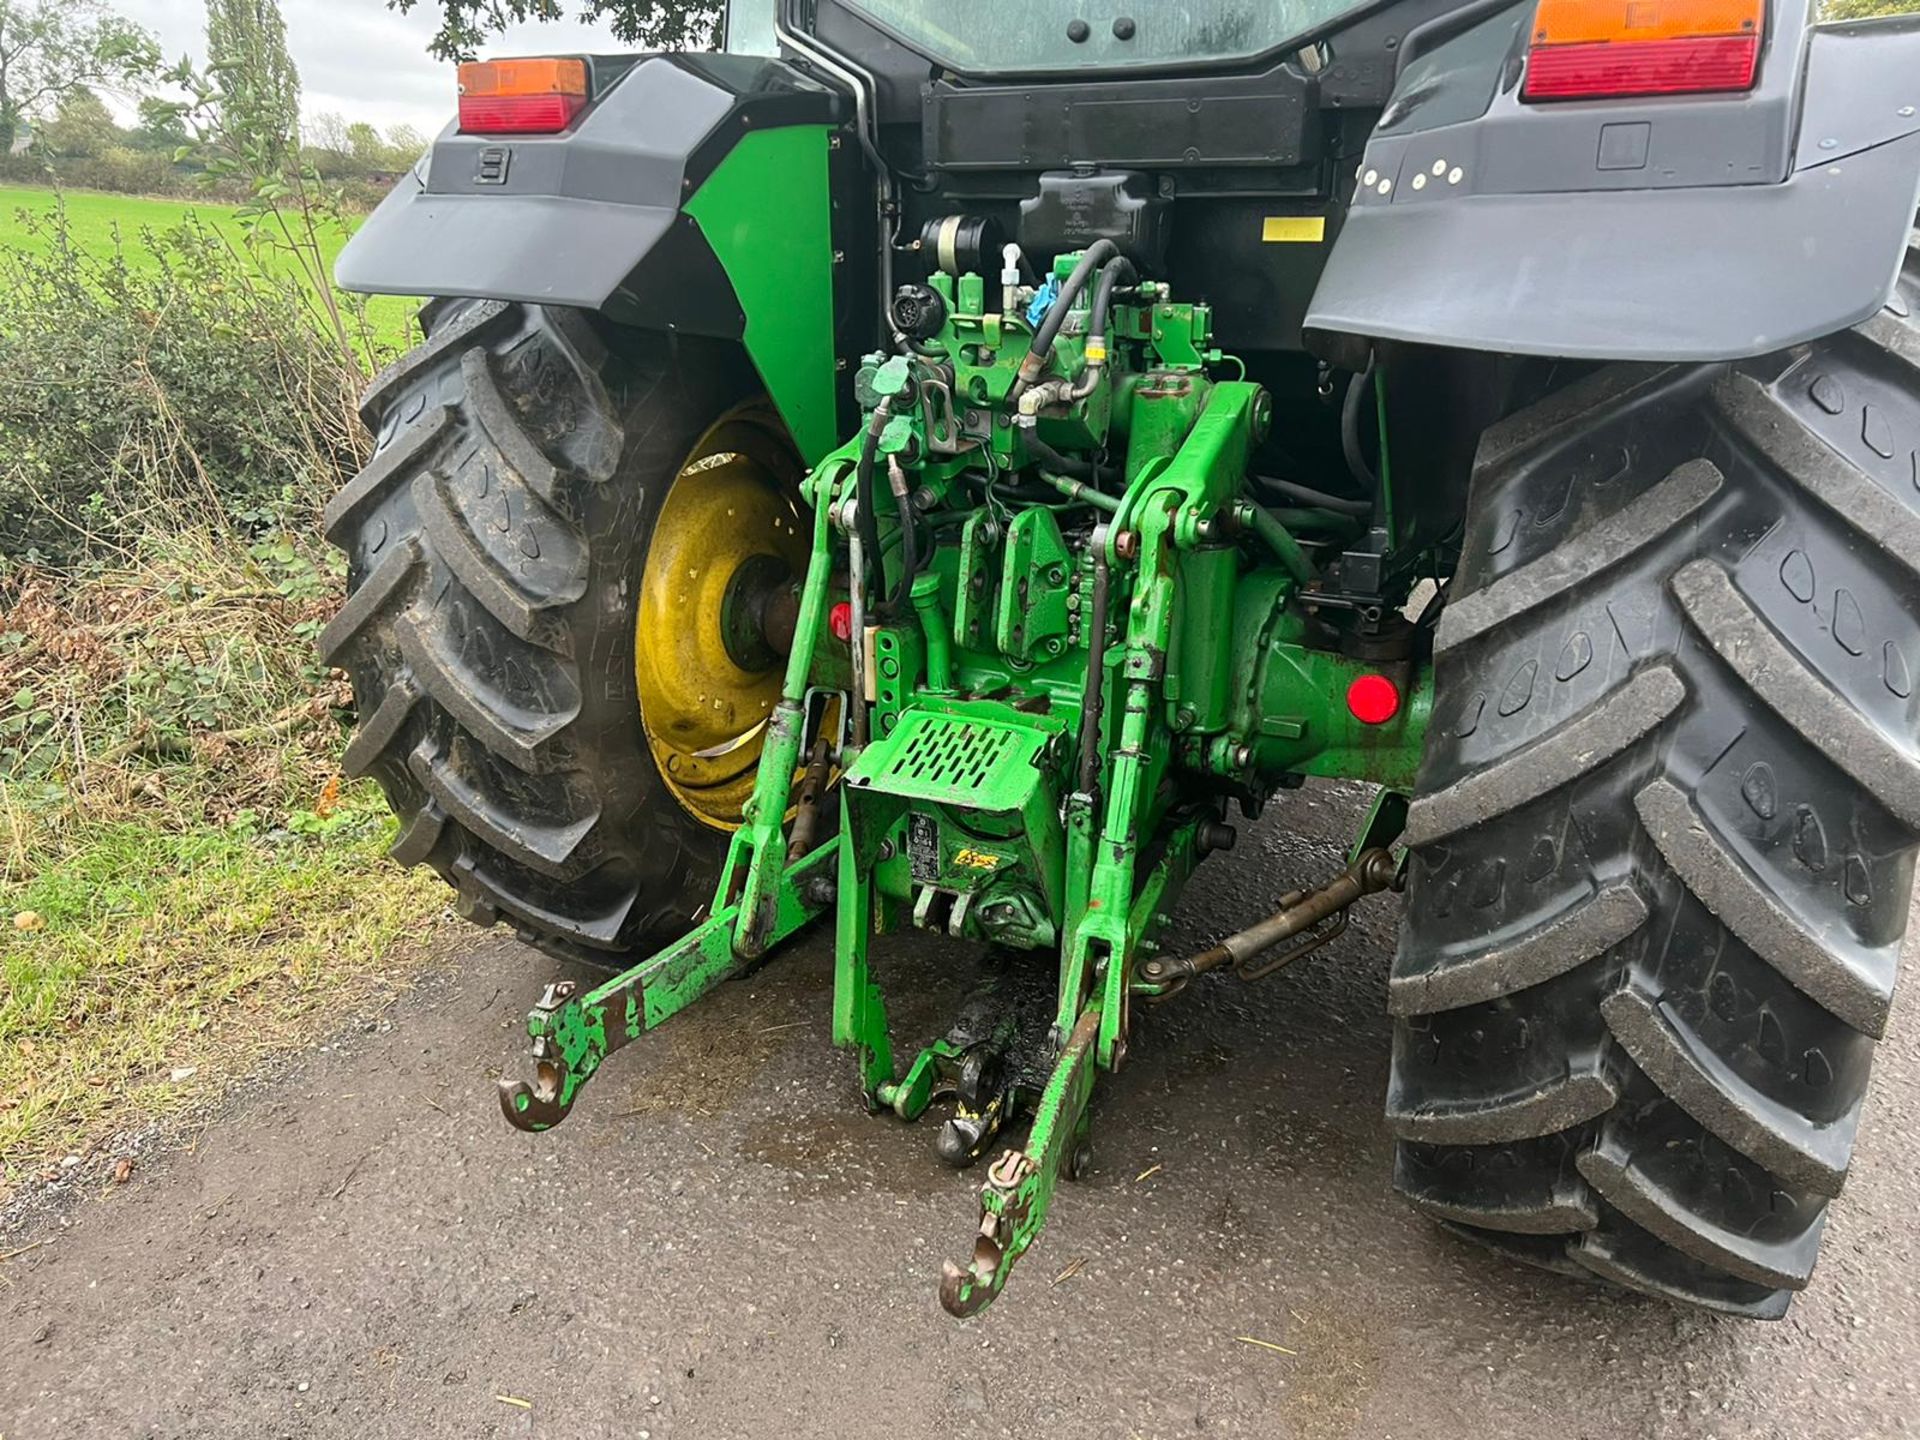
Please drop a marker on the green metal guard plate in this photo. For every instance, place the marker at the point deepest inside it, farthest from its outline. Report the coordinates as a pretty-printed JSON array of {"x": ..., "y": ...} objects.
[{"x": 967, "y": 762}]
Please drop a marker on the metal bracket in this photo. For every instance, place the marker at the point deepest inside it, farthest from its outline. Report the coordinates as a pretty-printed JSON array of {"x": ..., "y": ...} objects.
[
  {"x": 574, "y": 1034},
  {"x": 1020, "y": 1184}
]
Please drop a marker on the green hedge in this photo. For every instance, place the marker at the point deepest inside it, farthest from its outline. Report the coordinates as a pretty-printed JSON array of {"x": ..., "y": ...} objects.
[
  {"x": 192, "y": 386},
  {"x": 148, "y": 172}
]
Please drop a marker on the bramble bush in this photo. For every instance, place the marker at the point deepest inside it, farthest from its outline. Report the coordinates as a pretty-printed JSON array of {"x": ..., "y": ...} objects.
[{"x": 188, "y": 389}]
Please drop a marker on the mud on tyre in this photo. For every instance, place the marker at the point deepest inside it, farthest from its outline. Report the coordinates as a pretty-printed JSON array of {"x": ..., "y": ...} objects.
[{"x": 1663, "y": 849}]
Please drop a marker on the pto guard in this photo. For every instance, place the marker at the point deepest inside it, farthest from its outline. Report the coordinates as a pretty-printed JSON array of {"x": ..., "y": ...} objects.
[{"x": 1577, "y": 230}]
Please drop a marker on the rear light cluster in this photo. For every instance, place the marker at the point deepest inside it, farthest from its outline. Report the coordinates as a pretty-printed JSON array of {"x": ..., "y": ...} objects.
[
  {"x": 521, "y": 97},
  {"x": 1606, "y": 49}
]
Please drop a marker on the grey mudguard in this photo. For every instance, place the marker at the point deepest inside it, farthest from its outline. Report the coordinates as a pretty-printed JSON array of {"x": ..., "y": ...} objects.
[
  {"x": 1704, "y": 228},
  {"x": 554, "y": 250},
  {"x": 566, "y": 219}
]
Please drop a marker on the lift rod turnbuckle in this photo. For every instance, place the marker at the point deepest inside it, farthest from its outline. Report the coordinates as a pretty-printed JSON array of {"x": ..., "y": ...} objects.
[{"x": 1301, "y": 914}]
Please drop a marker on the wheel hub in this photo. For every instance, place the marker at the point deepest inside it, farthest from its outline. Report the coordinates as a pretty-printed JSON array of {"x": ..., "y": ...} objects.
[{"x": 714, "y": 623}]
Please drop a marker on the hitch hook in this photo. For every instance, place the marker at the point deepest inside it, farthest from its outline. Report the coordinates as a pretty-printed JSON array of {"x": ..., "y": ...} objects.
[{"x": 545, "y": 1101}]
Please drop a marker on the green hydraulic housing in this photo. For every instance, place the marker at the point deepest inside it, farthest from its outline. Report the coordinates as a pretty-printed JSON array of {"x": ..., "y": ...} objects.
[{"x": 1081, "y": 637}]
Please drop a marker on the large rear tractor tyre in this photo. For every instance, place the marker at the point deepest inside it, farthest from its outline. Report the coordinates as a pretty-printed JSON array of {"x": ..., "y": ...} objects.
[
  {"x": 1663, "y": 847},
  {"x": 559, "y": 559}
]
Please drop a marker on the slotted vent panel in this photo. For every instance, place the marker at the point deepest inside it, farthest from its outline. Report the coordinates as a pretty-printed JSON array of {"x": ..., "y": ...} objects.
[{"x": 973, "y": 763}]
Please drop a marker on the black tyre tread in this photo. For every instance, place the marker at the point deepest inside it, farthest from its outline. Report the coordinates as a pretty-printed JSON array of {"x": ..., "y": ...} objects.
[
  {"x": 1633, "y": 1259},
  {"x": 1545, "y": 1252},
  {"x": 517, "y": 732},
  {"x": 494, "y": 541},
  {"x": 1873, "y": 514},
  {"x": 419, "y": 835},
  {"x": 1595, "y": 925},
  {"x": 1515, "y": 439},
  {"x": 375, "y": 594},
  {"x": 1852, "y": 981},
  {"x": 1543, "y": 1110},
  {"x": 1724, "y": 619},
  {"x": 1671, "y": 1193},
  {"x": 522, "y": 608},
  {"x": 451, "y": 326},
  {"x": 376, "y": 731},
  {"x": 1693, "y": 909},
  {"x": 1585, "y": 555},
  {"x": 546, "y": 847},
  {"x": 594, "y": 930},
  {"x": 1527, "y": 1189},
  {"x": 421, "y": 441},
  {"x": 1796, "y": 1149},
  {"x": 1898, "y": 340},
  {"x": 1617, "y": 721}
]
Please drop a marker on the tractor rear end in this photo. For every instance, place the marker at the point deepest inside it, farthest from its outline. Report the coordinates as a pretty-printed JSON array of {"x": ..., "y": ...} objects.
[{"x": 878, "y": 485}]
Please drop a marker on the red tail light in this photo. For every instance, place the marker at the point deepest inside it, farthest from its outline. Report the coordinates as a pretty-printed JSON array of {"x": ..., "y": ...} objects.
[
  {"x": 1373, "y": 699},
  {"x": 521, "y": 97},
  {"x": 1605, "y": 49}
]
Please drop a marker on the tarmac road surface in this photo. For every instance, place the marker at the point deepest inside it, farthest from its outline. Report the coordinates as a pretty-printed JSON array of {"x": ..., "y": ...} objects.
[{"x": 720, "y": 1243}]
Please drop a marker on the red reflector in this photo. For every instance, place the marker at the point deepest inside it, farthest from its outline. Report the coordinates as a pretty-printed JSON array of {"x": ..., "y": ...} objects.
[
  {"x": 1609, "y": 69},
  {"x": 840, "y": 621},
  {"x": 1373, "y": 699},
  {"x": 519, "y": 114}
]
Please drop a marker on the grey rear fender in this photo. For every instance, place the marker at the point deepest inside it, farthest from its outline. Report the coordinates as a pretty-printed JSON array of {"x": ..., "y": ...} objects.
[
  {"x": 1692, "y": 228},
  {"x": 695, "y": 195}
]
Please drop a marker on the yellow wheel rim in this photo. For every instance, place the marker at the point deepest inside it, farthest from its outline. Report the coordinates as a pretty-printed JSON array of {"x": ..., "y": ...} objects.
[{"x": 728, "y": 549}]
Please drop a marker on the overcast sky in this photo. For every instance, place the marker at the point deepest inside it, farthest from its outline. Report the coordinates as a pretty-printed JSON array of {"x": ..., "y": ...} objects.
[{"x": 360, "y": 59}]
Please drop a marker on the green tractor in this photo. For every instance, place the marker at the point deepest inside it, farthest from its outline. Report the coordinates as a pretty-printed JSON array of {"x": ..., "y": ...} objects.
[{"x": 937, "y": 466}]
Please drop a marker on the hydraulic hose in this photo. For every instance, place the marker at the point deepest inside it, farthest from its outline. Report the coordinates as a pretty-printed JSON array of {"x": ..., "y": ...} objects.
[
  {"x": 1358, "y": 389},
  {"x": 1300, "y": 517},
  {"x": 1081, "y": 491},
  {"x": 1035, "y": 361},
  {"x": 1074, "y": 478},
  {"x": 864, "y": 517},
  {"x": 1116, "y": 272},
  {"x": 1019, "y": 494},
  {"x": 1045, "y": 455},
  {"x": 1307, "y": 495},
  {"x": 1276, "y": 538},
  {"x": 909, "y": 555}
]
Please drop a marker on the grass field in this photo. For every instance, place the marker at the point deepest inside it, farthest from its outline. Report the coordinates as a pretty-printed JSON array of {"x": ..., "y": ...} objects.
[{"x": 99, "y": 221}]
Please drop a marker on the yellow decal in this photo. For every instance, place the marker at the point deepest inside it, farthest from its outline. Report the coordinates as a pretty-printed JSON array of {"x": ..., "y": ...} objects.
[
  {"x": 976, "y": 860},
  {"x": 1294, "y": 229}
]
